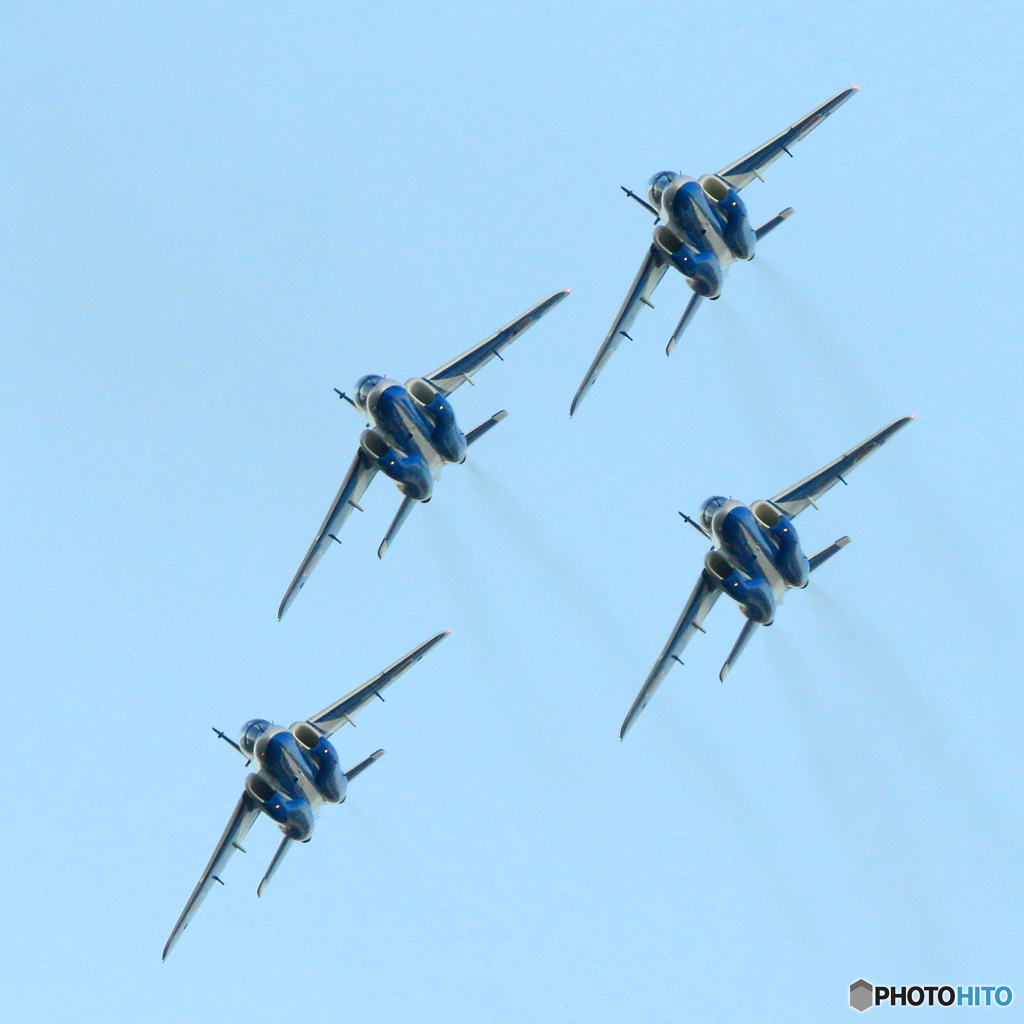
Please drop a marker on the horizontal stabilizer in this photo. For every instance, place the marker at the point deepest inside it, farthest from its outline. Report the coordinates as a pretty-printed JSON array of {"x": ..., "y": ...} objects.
[
  {"x": 396, "y": 524},
  {"x": 274, "y": 864},
  {"x": 827, "y": 553},
  {"x": 684, "y": 321},
  {"x": 772, "y": 224},
  {"x": 737, "y": 648},
  {"x": 478, "y": 431},
  {"x": 363, "y": 765}
]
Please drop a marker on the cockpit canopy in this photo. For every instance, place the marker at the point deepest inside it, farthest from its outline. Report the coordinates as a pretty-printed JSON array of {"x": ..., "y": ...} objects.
[
  {"x": 657, "y": 185},
  {"x": 251, "y": 732},
  {"x": 708, "y": 510},
  {"x": 363, "y": 388}
]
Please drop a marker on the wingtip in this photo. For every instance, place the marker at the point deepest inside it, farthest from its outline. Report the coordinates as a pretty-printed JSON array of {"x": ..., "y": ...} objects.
[
  {"x": 627, "y": 724},
  {"x": 577, "y": 400}
]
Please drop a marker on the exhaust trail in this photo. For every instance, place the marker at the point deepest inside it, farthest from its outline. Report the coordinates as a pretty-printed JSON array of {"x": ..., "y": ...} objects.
[
  {"x": 471, "y": 600},
  {"x": 381, "y": 844},
  {"x": 578, "y": 592},
  {"x": 764, "y": 406},
  {"x": 891, "y": 684},
  {"x": 824, "y": 351}
]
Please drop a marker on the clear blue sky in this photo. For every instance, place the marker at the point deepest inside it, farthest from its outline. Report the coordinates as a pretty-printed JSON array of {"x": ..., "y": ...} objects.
[{"x": 212, "y": 214}]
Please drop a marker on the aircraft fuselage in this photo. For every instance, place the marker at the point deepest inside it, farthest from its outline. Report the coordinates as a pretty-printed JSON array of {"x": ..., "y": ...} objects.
[
  {"x": 298, "y": 774},
  {"x": 414, "y": 433},
  {"x": 757, "y": 557},
  {"x": 704, "y": 229}
]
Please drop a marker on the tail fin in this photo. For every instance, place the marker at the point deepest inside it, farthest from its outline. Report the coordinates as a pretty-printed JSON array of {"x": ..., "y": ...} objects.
[
  {"x": 363, "y": 765},
  {"x": 827, "y": 553},
  {"x": 737, "y": 648},
  {"x": 396, "y": 524},
  {"x": 772, "y": 224},
  {"x": 477, "y": 432},
  {"x": 275, "y": 864}
]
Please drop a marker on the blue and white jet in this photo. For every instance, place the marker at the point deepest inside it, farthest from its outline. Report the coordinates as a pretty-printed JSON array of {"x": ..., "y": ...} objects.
[
  {"x": 756, "y": 559},
  {"x": 411, "y": 436},
  {"x": 702, "y": 228},
  {"x": 298, "y": 773}
]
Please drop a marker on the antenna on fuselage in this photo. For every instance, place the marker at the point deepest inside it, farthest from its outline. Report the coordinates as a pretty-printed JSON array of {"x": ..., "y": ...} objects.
[
  {"x": 231, "y": 742},
  {"x": 700, "y": 529}
]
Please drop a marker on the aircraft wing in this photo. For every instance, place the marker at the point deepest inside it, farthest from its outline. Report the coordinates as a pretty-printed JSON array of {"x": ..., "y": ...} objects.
[
  {"x": 334, "y": 717},
  {"x": 702, "y": 600},
  {"x": 448, "y": 377},
  {"x": 743, "y": 172},
  {"x": 359, "y": 475},
  {"x": 794, "y": 500},
  {"x": 652, "y": 270},
  {"x": 245, "y": 813}
]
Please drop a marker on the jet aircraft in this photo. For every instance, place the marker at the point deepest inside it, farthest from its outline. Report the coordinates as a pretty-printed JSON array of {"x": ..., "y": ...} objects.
[
  {"x": 298, "y": 774},
  {"x": 413, "y": 435},
  {"x": 702, "y": 228},
  {"x": 756, "y": 559}
]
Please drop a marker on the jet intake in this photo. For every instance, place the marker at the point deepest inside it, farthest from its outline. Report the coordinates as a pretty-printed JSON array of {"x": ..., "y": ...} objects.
[
  {"x": 410, "y": 472},
  {"x": 292, "y": 814},
  {"x": 447, "y": 439},
  {"x": 754, "y": 595},
  {"x": 737, "y": 233},
  {"x": 701, "y": 268},
  {"x": 308, "y": 735},
  {"x": 328, "y": 777},
  {"x": 789, "y": 557}
]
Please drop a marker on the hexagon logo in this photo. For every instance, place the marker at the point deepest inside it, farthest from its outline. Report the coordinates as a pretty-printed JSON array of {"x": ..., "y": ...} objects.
[{"x": 862, "y": 995}]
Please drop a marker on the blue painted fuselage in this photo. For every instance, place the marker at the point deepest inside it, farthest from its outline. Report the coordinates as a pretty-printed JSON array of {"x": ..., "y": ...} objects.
[
  {"x": 414, "y": 432},
  {"x": 298, "y": 774},
  {"x": 704, "y": 228},
  {"x": 757, "y": 555}
]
